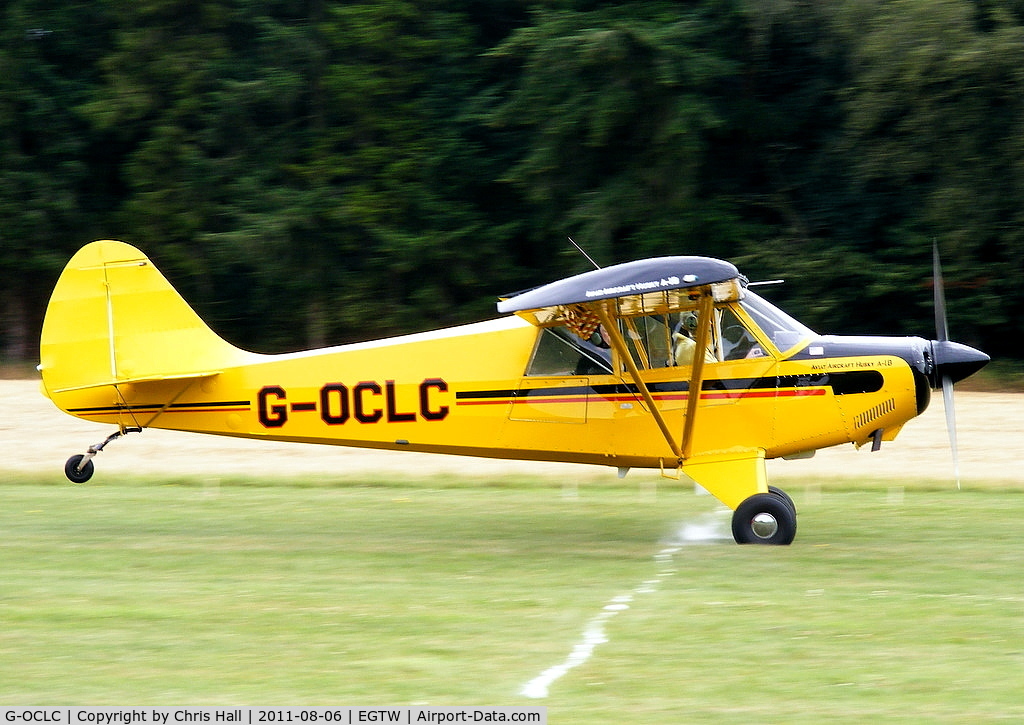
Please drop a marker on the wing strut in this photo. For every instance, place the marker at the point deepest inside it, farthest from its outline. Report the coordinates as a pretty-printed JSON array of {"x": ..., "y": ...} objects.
[
  {"x": 705, "y": 310},
  {"x": 620, "y": 347}
]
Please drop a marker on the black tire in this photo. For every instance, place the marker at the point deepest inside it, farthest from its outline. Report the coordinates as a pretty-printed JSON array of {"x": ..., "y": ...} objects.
[
  {"x": 776, "y": 491},
  {"x": 764, "y": 518},
  {"x": 78, "y": 476}
]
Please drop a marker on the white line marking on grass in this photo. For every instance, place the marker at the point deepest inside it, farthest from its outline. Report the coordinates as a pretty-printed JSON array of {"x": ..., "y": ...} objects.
[{"x": 708, "y": 529}]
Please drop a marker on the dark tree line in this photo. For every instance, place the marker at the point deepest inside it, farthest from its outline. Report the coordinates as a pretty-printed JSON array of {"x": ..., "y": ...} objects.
[{"x": 314, "y": 172}]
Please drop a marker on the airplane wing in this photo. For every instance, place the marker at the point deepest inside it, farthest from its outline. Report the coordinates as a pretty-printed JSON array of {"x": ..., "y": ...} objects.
[{"x": 632, "y": 283}]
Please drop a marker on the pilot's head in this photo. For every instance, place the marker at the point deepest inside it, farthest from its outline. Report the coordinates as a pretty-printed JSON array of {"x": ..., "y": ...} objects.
[{"x": 687, "y": 322}]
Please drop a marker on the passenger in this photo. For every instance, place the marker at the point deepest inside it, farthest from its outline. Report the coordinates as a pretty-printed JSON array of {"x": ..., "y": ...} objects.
[
  {"x": 682, "y": 339},
  {"x": 600, "y": 338}
]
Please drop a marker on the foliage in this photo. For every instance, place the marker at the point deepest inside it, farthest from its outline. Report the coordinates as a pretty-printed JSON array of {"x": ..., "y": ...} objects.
[{"x": 311, "y": 172}]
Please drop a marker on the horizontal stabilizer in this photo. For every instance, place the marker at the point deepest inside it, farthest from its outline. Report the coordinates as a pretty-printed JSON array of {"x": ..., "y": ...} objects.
[{"x": 134, "y": 381}]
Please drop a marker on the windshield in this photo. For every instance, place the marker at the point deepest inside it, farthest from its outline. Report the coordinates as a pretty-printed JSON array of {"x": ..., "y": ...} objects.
[{"x": 781, "y": 329}]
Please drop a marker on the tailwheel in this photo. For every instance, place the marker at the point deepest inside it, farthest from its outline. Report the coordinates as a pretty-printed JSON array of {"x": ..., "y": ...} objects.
[
  {"x": 765, "y": 518},
  {"x": 78, "y": 469}
]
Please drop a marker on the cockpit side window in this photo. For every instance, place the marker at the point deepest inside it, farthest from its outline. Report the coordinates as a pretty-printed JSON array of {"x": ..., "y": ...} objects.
[
  {"x": 560, "y": 352},
  {"x": 649, "y": 340},
  {"x": 667, "y": 340}
]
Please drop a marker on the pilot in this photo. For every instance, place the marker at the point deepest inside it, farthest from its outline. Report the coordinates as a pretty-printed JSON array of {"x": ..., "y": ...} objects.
[{"x": 682, "y": 339}]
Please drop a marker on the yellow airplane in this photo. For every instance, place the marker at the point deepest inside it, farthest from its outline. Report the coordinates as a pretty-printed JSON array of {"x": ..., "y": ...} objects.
[{"x": 671, "y": 363}]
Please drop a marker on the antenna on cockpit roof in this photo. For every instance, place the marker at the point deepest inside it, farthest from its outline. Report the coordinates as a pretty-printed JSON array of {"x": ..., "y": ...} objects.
[{"x": 596, "y": 265}]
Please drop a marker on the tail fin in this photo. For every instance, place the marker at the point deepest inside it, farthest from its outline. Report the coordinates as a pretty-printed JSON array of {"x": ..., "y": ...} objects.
[{"x": 113, "y": 318}]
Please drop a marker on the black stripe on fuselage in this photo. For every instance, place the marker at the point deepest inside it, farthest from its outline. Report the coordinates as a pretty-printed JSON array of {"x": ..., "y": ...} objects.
[{"x": 842, "y": 383}]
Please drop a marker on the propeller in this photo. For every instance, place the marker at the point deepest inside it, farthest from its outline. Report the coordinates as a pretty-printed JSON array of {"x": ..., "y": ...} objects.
[
  {"x": 942, "y": 336},
  {"x": 952, "y": 361}
]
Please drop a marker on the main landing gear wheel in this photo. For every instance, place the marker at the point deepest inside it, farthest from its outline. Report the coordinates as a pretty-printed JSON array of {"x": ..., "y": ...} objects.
[
  {"x": 76, "y": 471},
  {"x": 764, "y": 518},
  {"x": 776, "y": 491}
]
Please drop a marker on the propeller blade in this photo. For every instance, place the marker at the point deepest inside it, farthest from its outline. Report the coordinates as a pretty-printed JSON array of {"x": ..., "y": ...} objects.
[
  {"x": 948, "y": 355},
  {"x": 947, "y": 402},
  {"x": 941, "y": 327}
]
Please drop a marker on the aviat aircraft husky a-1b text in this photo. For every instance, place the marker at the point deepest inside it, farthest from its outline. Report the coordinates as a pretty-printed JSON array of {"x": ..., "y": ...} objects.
[{"x": 670, "y": 363}]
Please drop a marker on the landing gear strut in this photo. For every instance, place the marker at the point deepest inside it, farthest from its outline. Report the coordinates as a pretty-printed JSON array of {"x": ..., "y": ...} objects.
[
  {"x": 765, "y": 518},
  {"x": 79, "y": 468}
]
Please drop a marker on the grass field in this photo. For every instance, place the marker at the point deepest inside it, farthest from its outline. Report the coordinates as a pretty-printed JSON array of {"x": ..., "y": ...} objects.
[{"x": 894, "y": 604}]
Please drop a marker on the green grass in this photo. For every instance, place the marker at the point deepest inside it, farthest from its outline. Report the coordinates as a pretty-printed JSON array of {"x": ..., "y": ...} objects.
[{"x": 892, "y": 606}]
